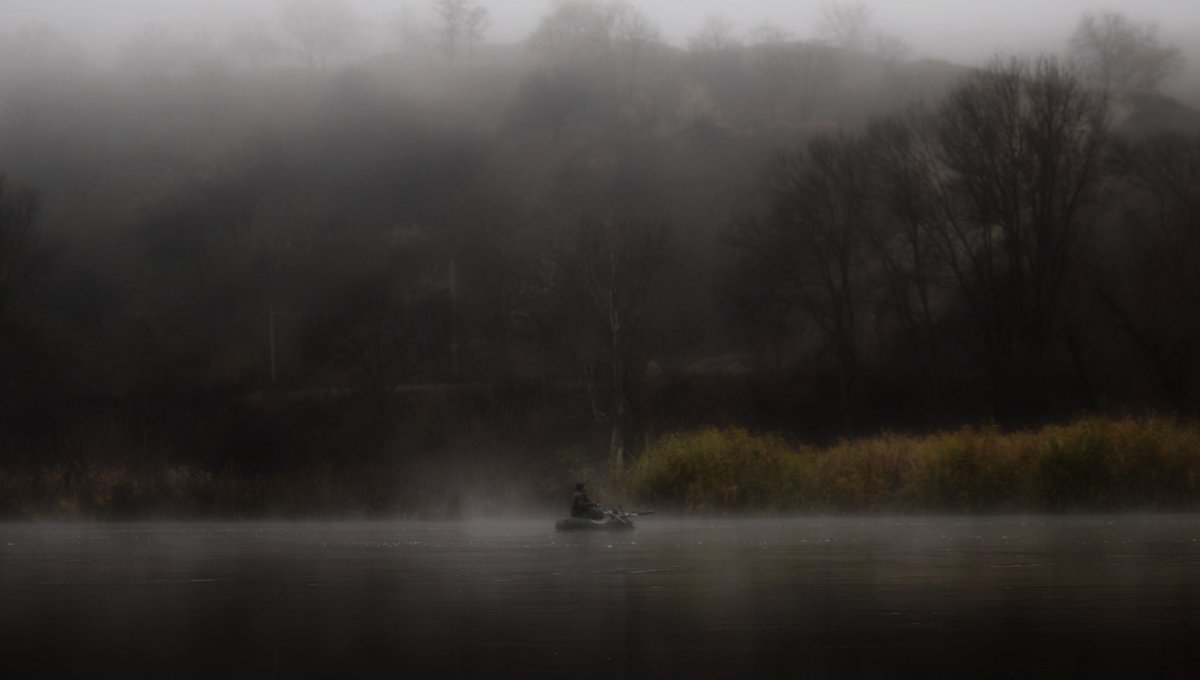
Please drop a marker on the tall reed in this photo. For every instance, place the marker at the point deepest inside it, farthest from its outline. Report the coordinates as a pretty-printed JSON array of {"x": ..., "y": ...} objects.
[{"x": 1091, "y": 464}]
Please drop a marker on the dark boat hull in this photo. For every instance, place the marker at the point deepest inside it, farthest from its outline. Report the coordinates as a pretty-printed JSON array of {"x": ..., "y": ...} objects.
[{"x": 584, "y": 524}]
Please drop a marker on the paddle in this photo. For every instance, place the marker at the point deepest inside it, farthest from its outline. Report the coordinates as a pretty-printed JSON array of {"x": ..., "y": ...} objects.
[{"x": 619, "y": 517}]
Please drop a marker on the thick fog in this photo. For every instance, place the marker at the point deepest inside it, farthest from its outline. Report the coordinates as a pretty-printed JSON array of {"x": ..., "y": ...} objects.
[
  {"x": 411, "y": 256},
  {"x": 958, "y": 30},
  {"x": 589, "y": 261}
]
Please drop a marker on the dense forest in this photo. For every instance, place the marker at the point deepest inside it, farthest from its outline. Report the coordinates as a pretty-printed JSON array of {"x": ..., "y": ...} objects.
[{"x": 248, "y": 258}]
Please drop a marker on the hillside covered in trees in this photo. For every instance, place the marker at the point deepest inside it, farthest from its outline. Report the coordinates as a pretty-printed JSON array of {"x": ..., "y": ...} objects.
[{"x": 251, "y": 259}]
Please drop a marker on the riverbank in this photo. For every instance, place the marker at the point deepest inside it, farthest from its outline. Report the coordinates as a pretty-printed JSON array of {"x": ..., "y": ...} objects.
[
  {"x": 450, "y": 485},
  {"x": 1088, "y": 465}
]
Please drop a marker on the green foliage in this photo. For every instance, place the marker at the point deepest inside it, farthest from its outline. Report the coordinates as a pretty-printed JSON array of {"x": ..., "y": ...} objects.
[{"x": 1092, "y": 464}]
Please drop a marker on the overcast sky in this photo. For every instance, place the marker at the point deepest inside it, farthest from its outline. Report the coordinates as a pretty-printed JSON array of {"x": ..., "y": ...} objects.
[{"x": 962, "y": 30}]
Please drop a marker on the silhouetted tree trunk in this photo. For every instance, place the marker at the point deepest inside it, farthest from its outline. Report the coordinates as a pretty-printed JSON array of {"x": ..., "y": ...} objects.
[{"x": 603, "y": 284}]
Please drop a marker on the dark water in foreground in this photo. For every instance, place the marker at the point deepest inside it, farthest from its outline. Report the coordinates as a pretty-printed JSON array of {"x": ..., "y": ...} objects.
[{"x": 878, "y": 597}]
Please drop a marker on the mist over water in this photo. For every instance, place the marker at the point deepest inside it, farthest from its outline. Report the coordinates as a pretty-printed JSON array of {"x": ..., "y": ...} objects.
[
  {"x": 854, "y": 597},
  {"x": 361, "y": 259}
]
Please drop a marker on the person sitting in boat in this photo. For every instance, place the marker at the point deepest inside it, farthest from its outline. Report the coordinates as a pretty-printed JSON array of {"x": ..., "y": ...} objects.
[{"x": 582, "y": 506}]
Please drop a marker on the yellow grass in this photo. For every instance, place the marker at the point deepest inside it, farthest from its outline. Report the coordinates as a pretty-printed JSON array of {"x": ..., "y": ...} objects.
[{"x": 1091, "y": 464}]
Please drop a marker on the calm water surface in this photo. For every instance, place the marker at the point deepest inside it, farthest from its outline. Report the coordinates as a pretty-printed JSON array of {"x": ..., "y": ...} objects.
[{"x": 871, "y": 597}]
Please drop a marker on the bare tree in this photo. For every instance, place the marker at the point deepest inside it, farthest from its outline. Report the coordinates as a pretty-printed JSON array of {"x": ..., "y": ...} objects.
[
  {"x": 851, "y": 24},
  {"x": 24, "y": 258},
  {"x": 1019, "y": 146},
  {"x": 717, "y": 34},
  {"x": 770, "y": 33},
  {"x": 320, "y": 28},
  {"x": 26, "y": 358},
  {"x": 252, "y": 43},
  {"x": 787, "y": 72},
  {"x": 776, "y": 64},
  {"x": 846, "y": 23},
  {"x": 464, "y": 24},
  {"x": 478, "y": 23},
  {"x": 603, "y": 284},
  {"x": 906, "y": 170},
  {"x": 1153, "y": 288},
  {"x": 411, "y": 34},
  {"x": 576, "y": 31},
  {"x": 808, "y": 256},
  {"x": 609, "y": 40},
  {"x": 987, "y": 196},
  {"x": 634, "y": 37},
  {"x": 890, "y": 48},
  {"x": 718, "y": 61},
  {"x": 1119, "y": 54}
]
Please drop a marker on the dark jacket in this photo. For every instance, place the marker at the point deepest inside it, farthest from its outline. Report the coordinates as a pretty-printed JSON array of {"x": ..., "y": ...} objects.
[{"x": 581, "y": 505}]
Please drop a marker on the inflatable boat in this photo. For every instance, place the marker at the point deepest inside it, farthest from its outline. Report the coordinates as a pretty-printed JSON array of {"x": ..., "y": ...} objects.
[{"x": 613, "y": 520}]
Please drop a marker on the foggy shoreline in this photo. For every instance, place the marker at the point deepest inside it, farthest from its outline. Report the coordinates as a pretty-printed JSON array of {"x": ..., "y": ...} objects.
[{"x": 314, "y": 258}]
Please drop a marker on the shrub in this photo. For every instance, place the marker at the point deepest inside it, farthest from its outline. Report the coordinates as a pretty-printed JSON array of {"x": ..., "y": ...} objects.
[
  {"x": 723, "y": 470},
  {"x": 1091, "y": 464}
]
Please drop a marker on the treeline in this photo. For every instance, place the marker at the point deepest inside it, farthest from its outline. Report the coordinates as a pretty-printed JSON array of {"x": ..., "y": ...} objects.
[
  {"x": 991, "y": 240},
  {"x": 278, "y": 264}
]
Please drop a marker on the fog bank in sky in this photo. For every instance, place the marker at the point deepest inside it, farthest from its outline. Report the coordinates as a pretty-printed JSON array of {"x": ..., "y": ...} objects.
[{"x": 960, "y": 30}]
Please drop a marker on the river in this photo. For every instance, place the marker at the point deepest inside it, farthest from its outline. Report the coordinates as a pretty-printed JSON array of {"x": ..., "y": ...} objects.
[{"x": 1088, "y": 596}]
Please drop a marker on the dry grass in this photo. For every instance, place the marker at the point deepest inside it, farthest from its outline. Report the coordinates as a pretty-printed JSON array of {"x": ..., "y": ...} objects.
[
  {"x": 1092, "y": 464},
  {"x": 724, "y": 469}
]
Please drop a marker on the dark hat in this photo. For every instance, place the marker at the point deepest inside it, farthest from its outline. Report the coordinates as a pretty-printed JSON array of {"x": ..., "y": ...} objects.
[{"x": 579, "y": 486}]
